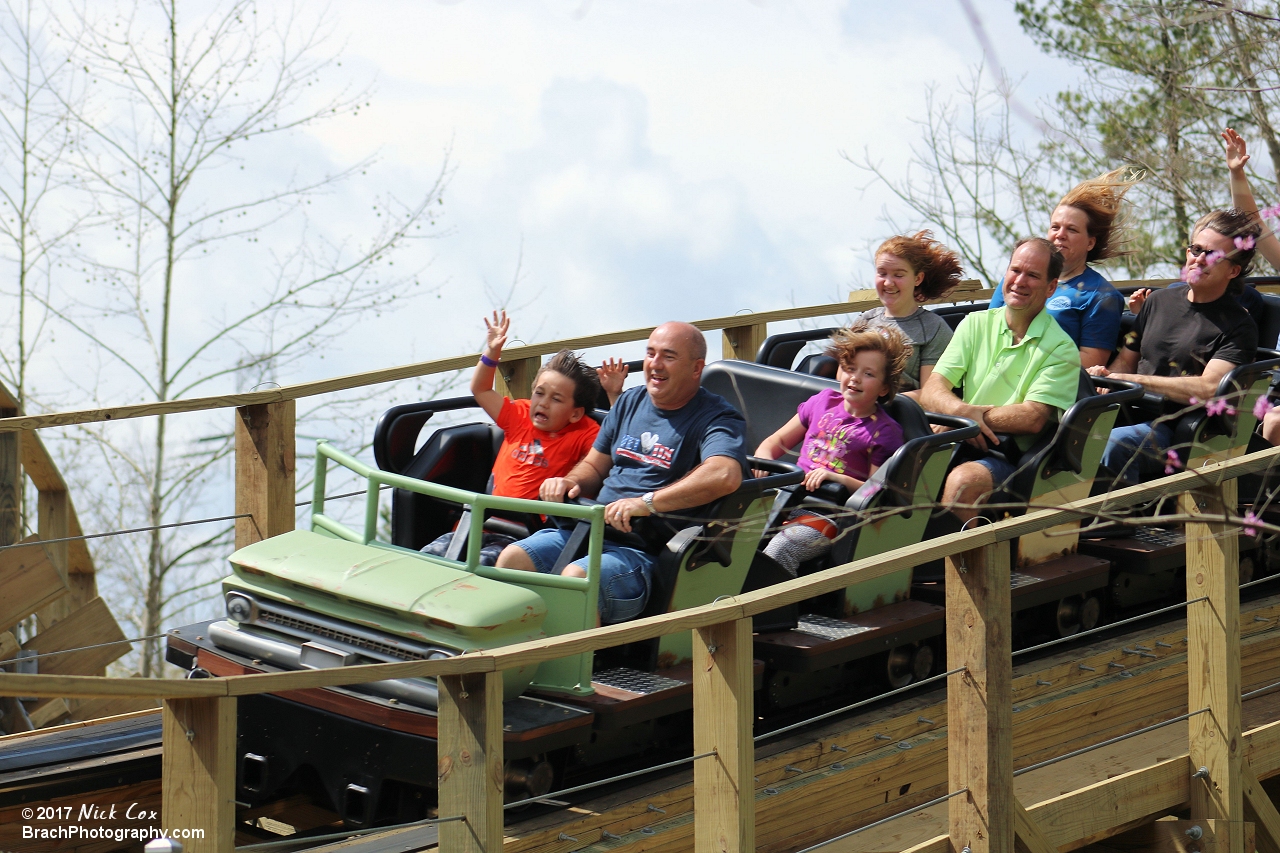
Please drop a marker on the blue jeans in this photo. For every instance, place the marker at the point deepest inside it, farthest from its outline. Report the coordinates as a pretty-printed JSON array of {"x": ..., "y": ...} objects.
[
  {"x": 624, "y": 572},
  {"x": 1139, "y": 451}
]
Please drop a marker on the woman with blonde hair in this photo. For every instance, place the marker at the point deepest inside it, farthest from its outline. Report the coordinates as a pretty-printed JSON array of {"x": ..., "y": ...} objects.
[{"x": 1084, "y": 229}]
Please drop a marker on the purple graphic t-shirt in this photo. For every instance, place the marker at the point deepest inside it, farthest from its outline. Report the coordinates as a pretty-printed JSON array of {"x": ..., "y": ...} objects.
[{"x": 845, "y": 443}]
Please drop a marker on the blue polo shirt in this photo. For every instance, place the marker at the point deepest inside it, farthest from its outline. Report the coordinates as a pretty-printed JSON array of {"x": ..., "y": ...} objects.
[{"x": 1087, "y": 308}]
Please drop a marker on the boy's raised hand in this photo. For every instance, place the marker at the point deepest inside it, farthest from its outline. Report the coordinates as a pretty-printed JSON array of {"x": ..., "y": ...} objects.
[
  {"x": 496, "y": 334},
  {"x": 612, "y": 374}
]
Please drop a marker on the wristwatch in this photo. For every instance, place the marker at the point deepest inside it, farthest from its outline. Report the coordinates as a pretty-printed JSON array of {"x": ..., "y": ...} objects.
[{"x": 647, "y": 497}]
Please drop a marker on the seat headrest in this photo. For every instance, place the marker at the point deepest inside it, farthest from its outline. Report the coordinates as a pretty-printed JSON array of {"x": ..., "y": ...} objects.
[
  {"x": 909, "y": 415},
  {"x": 767, "y": 397}
]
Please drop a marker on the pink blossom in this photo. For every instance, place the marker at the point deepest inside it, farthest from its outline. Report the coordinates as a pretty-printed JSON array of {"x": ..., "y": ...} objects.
[
  {"x": 1191, "y": 274},
  {"x": 1195, "y": 401},
  {"x": 1216, "y": 406},
  {"x": 1244, "y": 243},
  {"x": 1272, "y": 212},
  {"x": 1250, "y": 519},
  {"x": 1172, "y": 462},
  {"x": 1261, "y": 407},
  {"x": 1214, "y": 257}
]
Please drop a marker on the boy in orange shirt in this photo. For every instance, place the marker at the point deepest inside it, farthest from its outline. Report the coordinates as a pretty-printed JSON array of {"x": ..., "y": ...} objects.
[{"x": 544, "y": 436}]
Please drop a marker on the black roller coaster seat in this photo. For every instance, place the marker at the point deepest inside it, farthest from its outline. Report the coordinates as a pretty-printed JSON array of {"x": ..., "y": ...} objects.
[
  {"x": 781, "y": 350},
  {"x": 1063, "y": 462},
  {"x": 766, "y": 396},
  {"x": 460, "y": 456},
  {"x": 1200, "y": 438}
]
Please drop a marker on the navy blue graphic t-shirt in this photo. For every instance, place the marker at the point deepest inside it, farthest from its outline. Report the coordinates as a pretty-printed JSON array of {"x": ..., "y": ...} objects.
[{"x": 653, "y": 447}]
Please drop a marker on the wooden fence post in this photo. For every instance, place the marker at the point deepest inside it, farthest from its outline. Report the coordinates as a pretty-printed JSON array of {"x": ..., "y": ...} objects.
[
  {"x": 980, "y": 700},
  {"x": 265, "y": 468},
  {"x": 199, "y": 771},
  {"x": 1213, "y": 657},
  {"x": 743, "y": 342},
  {"x": 515, "y": 378},
  {"x": 469, "y": 762},
  {"x": 10, "y": 483},
  {"x": 724, "y": 794}
]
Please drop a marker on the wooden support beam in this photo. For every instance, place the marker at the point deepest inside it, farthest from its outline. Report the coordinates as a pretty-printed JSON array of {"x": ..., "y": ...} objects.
[
  {"x": 30, "y": 582},
  {"x": 10, "y": 485},
  {"x": 743, "y": 342},
  {"x": 1213, "y": 656},
  {"x": 470, "y": 762},
  {"x": 1184, "y": 836},
  {"x": 514, "y": 377},
  {"x": 979, "y": 700},
  {"x": 94, "y": 634},
  {"x": 198, "y": 770},
  {"x": 53, "y": 522},
  {"x": 265, "y": 470},
  {"x": 1028, "y": 833},
  {"x": 1260, "y": 810},
  {"x": 723, "y": 786}
]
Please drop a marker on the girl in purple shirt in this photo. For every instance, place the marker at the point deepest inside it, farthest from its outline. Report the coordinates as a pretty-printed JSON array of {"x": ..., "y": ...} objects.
[{"x": 844, "y": 435}]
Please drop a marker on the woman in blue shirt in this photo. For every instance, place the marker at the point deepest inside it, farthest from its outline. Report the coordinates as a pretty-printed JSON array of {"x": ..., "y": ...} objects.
[{"x": 1083, "y": 228}]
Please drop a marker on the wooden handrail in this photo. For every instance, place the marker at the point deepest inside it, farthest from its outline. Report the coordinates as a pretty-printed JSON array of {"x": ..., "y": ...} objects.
[
  {"x": 726, "y": 610},
  {"x": 439, "y": 365}
]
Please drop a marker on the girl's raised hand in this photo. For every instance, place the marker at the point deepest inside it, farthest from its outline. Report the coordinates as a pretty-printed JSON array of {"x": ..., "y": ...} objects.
[
  {"x": 1237, "y": 151},
  {"x": 496, "y": 334}
]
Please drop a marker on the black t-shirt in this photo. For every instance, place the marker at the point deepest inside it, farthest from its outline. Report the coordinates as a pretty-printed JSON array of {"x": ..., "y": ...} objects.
[{"x": 1176, "y": 337}]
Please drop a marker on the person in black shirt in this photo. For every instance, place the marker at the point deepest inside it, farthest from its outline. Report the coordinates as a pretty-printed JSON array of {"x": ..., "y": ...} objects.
[{"x": 1186, "y": 339}]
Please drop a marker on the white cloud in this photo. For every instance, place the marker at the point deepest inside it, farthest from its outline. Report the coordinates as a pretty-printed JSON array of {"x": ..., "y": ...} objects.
[{"x": 653, "y": 159}]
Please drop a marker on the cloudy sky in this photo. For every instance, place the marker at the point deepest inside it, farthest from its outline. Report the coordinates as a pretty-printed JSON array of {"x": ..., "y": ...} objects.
[{"x": 637, "y": 161}]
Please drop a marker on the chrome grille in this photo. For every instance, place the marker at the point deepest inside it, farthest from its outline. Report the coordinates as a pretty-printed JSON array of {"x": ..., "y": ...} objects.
[
  {"x": 827, "y": 628},
  {"x": 273, "y": 618}
]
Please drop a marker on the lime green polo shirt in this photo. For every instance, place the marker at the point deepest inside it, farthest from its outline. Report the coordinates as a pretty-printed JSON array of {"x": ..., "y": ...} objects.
[{"x": 994, "y": 371}]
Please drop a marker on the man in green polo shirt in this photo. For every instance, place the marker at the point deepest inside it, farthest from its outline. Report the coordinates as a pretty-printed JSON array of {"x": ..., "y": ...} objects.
[{"x": 1019, "y": 372}]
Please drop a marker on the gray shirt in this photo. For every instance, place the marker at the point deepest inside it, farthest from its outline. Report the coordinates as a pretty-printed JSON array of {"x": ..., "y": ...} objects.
[{"x": 929, "y": 335}]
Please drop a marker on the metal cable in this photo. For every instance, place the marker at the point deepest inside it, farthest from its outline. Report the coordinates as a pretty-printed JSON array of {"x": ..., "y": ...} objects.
[
  {"x": 1253, "y": 693},
  {"x": 884, "y": 820},
  {"x": 618, "y": 778},
  {"x": 381, "y": 488},
  {"x": 338, "y": 836},
  {"x": 122, "y": 532},
  {"x": 81, "y": 649},
  {"x": 1267, "y": 579},
  {"x": 1083, "y": 750},
  {"x": 1110, "y": 625},
  {"x": 855, "y": 705}
]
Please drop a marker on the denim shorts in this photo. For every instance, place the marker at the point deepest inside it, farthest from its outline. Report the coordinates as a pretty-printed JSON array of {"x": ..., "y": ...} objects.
[
  {"x": 624, "y": 572},
  {"x": 1001, "y": 469}
]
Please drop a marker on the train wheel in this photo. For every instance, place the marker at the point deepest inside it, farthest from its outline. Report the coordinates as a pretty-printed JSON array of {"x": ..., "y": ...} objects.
[
  {"x": 1248, "y": 568},
  {"x": 1078, "y": 613},
  {"x": 922, "y": 662},
  {"x": 909, "y": 663},
  {"x": 898, "y": 670}
]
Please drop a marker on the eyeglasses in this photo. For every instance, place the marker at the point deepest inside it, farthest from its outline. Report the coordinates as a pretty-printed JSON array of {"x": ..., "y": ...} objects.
[{"x": 1195, "y": 250}]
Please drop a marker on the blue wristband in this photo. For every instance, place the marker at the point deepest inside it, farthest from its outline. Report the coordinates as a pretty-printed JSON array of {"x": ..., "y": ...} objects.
[{"x": 486, "y": 361}]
